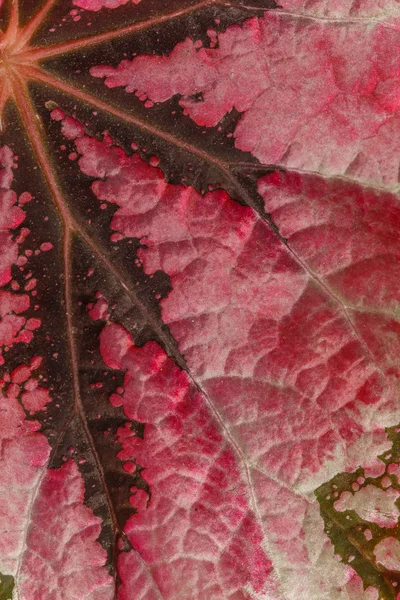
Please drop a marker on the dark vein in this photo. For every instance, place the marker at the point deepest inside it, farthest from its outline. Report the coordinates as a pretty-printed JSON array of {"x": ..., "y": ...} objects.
[
  {"x": 4, "y": 97},
  {"x": 99, "y": 252},
  {"x": 44, "y": 52},
  {"x": 12, "y": 28},
  {"x": 41, "y": 53},
  {"x": 32, "y": 125},
  {"x": 247, "y": 6},
  {"x": 39, "y": 74},
  {"x": 26, "y": 34}
]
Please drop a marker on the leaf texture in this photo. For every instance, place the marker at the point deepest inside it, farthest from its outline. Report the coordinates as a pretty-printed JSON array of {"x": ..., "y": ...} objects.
[
  {"x": 199, "y": 328},
  {"x": 336, "y": 84}
]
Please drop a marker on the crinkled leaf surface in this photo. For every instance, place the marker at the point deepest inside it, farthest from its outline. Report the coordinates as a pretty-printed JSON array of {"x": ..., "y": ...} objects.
[{"x": 199, "y": 300}]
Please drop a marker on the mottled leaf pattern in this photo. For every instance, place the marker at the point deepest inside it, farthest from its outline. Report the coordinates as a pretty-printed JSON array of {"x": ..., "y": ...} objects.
[{"x": 199, "y": 300}]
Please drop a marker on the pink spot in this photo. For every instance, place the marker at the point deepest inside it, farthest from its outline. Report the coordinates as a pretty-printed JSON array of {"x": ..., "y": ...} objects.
[
  {"x": 368, "y": 534},
  {"x": 30, "y": 285},
  {"x": 114, "y": 344},
  {"x": 24, "y": 198},
  {"x": 387, "y": 553},
  {"x": 13, "y": 390},
  {"x": 24, "y": 232},
  {"x": 46, "y": 246},
  {"x": 20, "y": 374},
  {"x": 154, "y": 161},
  {"x": 96, "y": 5},
  {"x": 71, "y": 128},
  {"x": 35, "y": 363},
  {"x": 31, "y": 384},
  {"x": 35, "y": 399},
  {"x": 33, "y": 324},
  {"x": 116, "y": 237},
  {"x": 99, "y": 310},
  {"x": 57, "y": 114}
]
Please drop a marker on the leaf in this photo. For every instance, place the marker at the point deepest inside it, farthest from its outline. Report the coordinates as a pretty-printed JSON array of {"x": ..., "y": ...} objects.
[{"x": 199, "y": 331}]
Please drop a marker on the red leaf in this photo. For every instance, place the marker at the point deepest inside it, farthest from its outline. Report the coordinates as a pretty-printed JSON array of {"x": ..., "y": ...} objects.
[{"x": 199, "y": 327}]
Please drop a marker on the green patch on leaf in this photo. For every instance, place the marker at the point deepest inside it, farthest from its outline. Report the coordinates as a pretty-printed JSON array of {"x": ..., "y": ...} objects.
[
  {"x": 6, "y": 587},
  {"x": 357, "y": 539}
]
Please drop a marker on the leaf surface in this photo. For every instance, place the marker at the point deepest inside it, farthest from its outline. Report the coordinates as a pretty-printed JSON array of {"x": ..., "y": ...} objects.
[{"x": 199, "y": 298}]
